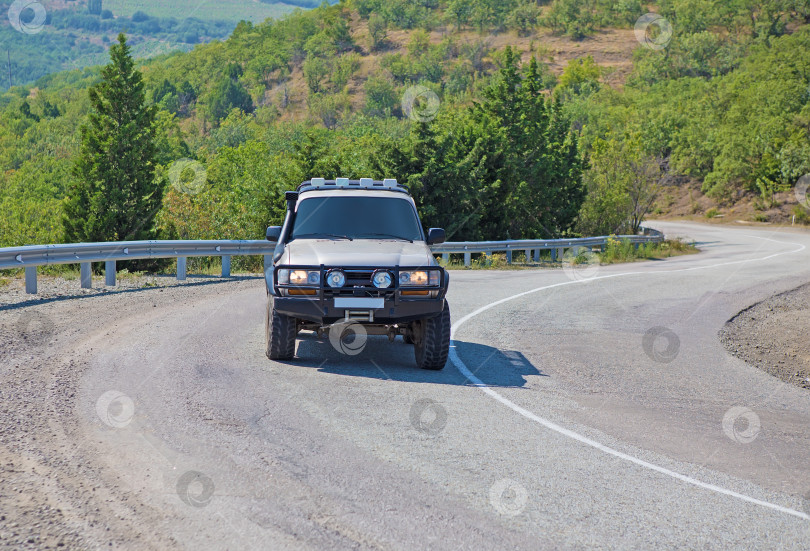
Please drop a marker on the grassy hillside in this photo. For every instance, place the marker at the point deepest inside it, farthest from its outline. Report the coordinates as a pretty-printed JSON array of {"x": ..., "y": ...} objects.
[{"x": 718, "y": 113}]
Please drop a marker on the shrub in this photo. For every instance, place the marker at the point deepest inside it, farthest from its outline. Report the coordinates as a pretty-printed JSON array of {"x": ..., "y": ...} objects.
[
  {"x": 524, "y": 18},
  {"x": 801, "y": 215},
  {"x": 381, "y": 97},
  {"x": 574, "y": 18},
  {"x": 377, "y": 31}
]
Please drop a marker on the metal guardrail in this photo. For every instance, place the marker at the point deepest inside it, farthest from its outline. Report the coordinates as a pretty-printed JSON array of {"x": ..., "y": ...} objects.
[
  {"x": 84, "y": 254},
  {"x": 532, "y": 248}
]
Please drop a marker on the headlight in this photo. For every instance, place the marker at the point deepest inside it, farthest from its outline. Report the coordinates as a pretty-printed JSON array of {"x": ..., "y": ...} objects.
[
  {"x": 419, "y": 278},
  {"x": 382, "y": 279},
  {"x": 336, "y": 278},
  {"x": 299, "y": 277}
]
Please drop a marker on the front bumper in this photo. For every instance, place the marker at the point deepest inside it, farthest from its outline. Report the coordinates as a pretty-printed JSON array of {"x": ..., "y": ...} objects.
[{"x": 396, "y": 308}]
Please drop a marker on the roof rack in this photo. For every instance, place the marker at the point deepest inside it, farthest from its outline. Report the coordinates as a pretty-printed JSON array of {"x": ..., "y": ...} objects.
[{"x": 389, "y": 184}]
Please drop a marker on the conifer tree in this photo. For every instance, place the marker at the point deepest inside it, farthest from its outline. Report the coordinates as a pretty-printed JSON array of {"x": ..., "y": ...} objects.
[{"x": 115, "y": 195}]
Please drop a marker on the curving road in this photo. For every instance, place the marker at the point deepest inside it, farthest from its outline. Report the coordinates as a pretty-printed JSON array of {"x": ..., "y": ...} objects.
[{"x": 594, "y": 409}]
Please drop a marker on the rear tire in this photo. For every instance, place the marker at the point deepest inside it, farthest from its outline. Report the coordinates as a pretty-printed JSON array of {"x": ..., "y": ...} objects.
[
  {"x": 407, "y": 338},
  {"x": 280, "y": 332},
  {"x": 432, "y": 349}
]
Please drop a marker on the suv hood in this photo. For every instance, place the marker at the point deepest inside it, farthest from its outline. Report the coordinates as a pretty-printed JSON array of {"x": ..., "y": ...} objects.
[{"x": 360, "y": 252}]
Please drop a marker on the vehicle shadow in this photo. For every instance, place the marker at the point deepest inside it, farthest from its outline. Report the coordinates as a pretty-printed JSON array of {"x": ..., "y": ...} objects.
[{"x": 377, "y": 358}]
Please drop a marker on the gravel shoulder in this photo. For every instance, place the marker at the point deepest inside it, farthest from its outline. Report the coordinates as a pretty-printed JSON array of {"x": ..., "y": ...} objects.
[
  {"x": 54, "y": 492},
  {"x": 49, "y": 288},
  {"x": 772, "y": 336}
]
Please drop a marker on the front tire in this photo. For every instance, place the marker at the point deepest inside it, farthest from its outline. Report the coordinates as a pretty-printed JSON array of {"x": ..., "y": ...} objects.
[
  {"x": 280, "y": 332},
  {"x": 432, "y": 349}
]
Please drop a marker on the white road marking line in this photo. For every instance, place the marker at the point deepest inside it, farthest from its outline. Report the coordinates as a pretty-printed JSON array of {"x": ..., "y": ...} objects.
[{"x": 584, "y": 439}]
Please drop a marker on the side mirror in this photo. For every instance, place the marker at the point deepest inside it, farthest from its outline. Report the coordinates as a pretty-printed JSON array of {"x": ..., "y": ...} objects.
[
  {"x": 436, "y": 236},
  {"x": 273, "y": 233}
]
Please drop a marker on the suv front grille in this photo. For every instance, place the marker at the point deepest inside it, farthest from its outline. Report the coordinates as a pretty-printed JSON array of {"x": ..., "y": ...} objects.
[
  {"x": 358, "y": 284},
  {"x": 359, "y": 277}
]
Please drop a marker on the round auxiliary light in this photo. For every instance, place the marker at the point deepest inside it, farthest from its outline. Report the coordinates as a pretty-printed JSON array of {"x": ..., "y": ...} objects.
[
  {"x": 336, "y": 278},
  {"x": 382, "y": 279},
  {"x": 313, "y": 278},
  {"x": 404, "y": 278}
]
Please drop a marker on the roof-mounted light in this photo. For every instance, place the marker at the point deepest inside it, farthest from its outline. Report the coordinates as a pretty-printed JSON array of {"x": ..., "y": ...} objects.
[
  {"x": 366, "y": 182},
  {"x": 390, "y": 182},
  {"x": 318, "y": 182},
  {"x": 342, "y": 182}
]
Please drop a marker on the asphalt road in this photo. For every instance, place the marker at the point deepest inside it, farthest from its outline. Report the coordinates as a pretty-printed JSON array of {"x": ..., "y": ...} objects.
[{"x": 589, "y": 409}]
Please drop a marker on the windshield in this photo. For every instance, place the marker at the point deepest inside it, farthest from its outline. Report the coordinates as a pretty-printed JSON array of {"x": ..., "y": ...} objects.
[{"x": 356, "y": 218}]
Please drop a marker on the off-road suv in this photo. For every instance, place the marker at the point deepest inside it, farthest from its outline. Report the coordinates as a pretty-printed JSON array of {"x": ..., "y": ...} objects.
[{"x": 353, "y": 251}]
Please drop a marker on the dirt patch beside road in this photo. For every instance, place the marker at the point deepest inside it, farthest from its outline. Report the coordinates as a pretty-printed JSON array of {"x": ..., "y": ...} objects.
[{"x": 772, "y": 336}]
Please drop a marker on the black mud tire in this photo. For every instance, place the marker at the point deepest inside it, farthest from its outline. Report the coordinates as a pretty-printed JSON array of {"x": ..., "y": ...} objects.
[
  {"x": 432, "y": 350},
  {"x": 280, "y": 332}
]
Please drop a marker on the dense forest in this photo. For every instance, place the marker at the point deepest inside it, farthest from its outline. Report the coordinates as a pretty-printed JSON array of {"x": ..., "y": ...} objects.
[{"x": 467, "y": 101}]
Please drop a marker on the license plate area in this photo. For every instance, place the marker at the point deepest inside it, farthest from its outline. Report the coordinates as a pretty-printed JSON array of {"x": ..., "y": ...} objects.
[{"x": 360, "y": 302}]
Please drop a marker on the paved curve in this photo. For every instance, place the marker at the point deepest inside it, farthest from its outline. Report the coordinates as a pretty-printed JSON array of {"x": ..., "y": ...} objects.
[{"x": 562, "y": 421}]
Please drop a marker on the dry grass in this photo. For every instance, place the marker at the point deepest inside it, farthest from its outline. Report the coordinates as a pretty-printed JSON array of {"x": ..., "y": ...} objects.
[{"x": 611, "y": 48}]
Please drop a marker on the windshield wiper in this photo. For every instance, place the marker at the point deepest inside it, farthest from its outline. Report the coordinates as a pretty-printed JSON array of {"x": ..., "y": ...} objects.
[
  {"x": 391, "y": 236},
  {"x": 315, "y": 235}
]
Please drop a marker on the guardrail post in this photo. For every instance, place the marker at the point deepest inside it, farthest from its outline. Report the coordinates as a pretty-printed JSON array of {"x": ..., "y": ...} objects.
[
  {"x": 537, "y": 255},
  {"x": 181, "y": 268},
  {"x": 226, "y": 266},
  {"x": 554, "y": 255},
  {"x": 86, "y": 275},
  {"x": 446, "y": 258},
  {"x": 508, "y": 256},
  {"x": 467, "y": 260},
  {"x": 560, "y": 254},
  {"x": 109, "y": 273},
  {"x": 31, "y": 280},
  {"x": 528, "y": 255}
]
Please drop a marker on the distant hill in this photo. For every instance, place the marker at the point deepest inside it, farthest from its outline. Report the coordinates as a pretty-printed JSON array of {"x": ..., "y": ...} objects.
[
  {"x": 222, "y": 10},
  {"x": 47, "y": 37}
]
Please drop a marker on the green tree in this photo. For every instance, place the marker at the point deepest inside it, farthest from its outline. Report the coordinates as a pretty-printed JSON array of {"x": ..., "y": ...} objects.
[
  {"x": 115, "y": 195},
  {"x": 343, "y": 69},
  {"x": 448, "y": 174},
  {"x": 460, "y": 12},
  {"x": 377, "y": 31},
  {"x": 524, "y": 18},
  {"x": 316, "y": 69},
  {"x": 508, "y": 167},
  {"x": 580, "y": 77},
  {"x": 623, "y": 183},
  {"x": 226, "y": 95},
  {"x": 381, "y": 97},
  {"x": 574, "y": 18},
  {"x": 541, "y": 174}
]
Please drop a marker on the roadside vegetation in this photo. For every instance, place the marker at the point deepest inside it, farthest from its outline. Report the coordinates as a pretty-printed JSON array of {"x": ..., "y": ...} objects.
[
  {"x": 466, "y": 101},
  {"x": 618, "y": 251}
]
